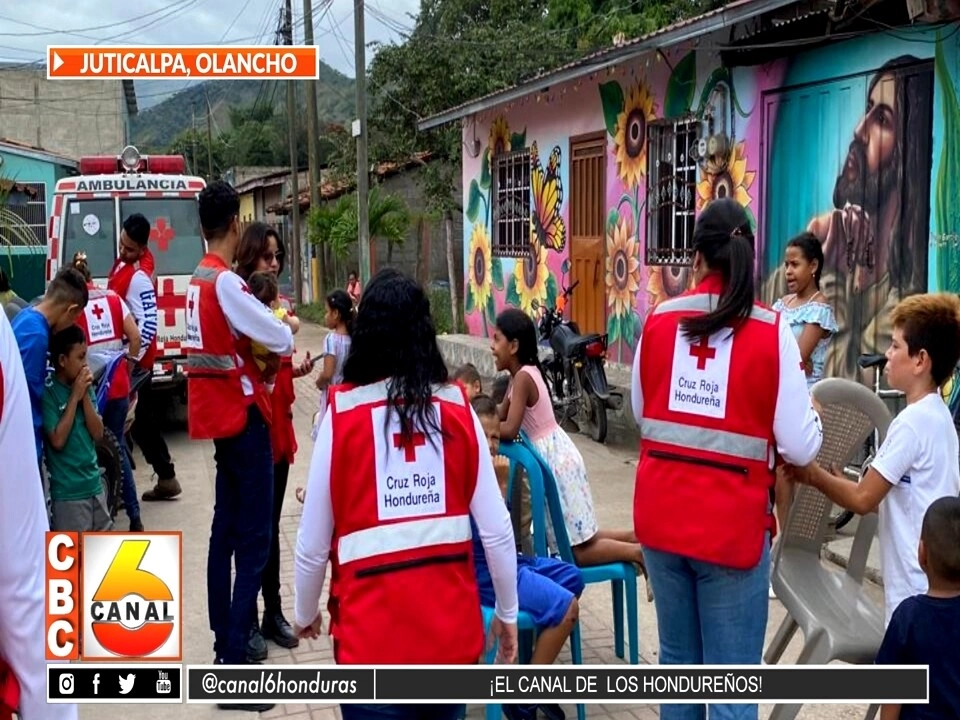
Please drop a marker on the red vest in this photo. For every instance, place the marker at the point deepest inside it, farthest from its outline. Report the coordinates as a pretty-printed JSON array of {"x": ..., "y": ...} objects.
[
  {"x": 102, "y": 322},
  {"x": 121, "y": 274},
  {"x": 9, "y": 691},
  {"x": 402, "y": 577},
  {"x": 216, "y": 404},
  {"x": 282, "y": 435},
  {"x": 707, "y": 446}
]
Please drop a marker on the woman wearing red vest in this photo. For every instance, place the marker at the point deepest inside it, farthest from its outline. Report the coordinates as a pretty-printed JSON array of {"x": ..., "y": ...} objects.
[
  {"x": 399, "y": 467},
  {"x": 108, "y": 325},
  {"x": 718, "y": 393},
  {"x": 261, "y": 250}
]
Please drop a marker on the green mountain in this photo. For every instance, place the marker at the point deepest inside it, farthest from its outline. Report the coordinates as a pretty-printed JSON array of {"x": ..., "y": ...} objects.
[{"x": 154, "y": 130}]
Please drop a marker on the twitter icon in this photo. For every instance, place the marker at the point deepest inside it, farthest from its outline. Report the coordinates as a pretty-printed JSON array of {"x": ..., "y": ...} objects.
[{"x": 126, "y": 683}]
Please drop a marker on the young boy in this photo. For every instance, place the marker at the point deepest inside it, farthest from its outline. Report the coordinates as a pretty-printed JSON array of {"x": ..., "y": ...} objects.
[
  {"x": 917, "y": 462},
  {"x": 547, "y": 589},
  {"x": 72, "y": 426},
  {"x": 63, "y": 302},
  {"x": 925, "y": 629},
  {"x": 468, "y": 376}
]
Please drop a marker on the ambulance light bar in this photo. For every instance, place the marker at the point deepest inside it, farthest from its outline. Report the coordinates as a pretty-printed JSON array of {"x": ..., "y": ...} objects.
[{"x": 131, "y": 161}]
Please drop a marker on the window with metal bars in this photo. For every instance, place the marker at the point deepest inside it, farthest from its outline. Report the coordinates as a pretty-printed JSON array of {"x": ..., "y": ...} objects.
[
  {"x": 28, "y": 201},
  {"x": 511, "y": 204},
  {"x": 671, "y": 190}
]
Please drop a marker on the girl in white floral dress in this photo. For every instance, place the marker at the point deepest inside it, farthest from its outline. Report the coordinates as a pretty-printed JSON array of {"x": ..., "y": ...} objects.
[{"x": 527, "y": 407}]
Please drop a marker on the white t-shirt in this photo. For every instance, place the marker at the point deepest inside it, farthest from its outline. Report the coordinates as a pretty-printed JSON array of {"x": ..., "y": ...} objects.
[
  {"x": 142, "y": 300},
  {"x": 23, "y": 522},
  {"x": 919, "y": 459}
]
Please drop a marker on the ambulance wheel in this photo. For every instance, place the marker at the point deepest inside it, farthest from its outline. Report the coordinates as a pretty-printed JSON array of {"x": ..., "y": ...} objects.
[{"x": 111, "y": 473}]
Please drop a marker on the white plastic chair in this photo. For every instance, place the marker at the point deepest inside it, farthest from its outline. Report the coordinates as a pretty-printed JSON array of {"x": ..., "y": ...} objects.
[{"x": 838, "y": 620}]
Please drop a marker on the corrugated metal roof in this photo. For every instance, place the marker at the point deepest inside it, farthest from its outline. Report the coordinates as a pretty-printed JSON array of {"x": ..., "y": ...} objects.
[
  {"x": 38, "y": 153},
  {"x": 681, "y": 31}
]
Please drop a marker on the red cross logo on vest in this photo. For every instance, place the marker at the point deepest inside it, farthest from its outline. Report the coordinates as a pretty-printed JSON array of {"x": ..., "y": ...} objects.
[
  {"x": 410, "y": 446},
  {"x": 703, "y": 352},
  {"x": 98, "y": 311}
]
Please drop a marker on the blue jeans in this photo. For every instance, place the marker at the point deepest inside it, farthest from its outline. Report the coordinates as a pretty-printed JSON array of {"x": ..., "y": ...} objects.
[
  {"x": 712, "y": 615},
  {"x": 114, "y": 418},
  {"x": 240, "y": 532},
  {"x": 400, "y": 712}
]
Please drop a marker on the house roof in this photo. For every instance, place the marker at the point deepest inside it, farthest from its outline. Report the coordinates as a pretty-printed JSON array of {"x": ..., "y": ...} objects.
[
  {"x": 335, "y": 188},
  {"x": 35, "y": 153},
  {"x": 682, "y": 31}
]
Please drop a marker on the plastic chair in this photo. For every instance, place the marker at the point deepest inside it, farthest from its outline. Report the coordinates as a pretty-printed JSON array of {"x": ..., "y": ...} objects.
[
  {"x": 622, "y": 576},
  {"x": 838, "y": 620}
]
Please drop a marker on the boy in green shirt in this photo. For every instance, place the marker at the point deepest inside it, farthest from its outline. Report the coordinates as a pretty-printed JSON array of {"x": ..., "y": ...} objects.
[{"x": 72, "y": 425}]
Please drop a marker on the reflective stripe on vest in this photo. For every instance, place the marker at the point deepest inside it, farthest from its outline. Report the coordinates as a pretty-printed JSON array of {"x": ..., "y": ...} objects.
[
  {"x": 207, "y": 361},
  {"x": 705, "y": 302},
  {"x": 397, "y": 537},
  {"x": 377, "y": 392},
  {"x": 744, "y": 447}
]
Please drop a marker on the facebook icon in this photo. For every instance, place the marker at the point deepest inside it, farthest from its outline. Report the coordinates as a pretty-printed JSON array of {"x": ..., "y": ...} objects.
[{"x": 96, "y": 684}]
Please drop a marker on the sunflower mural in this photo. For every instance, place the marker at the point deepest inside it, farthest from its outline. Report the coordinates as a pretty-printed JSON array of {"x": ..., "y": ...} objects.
[
  {"x": 630, "y": 136},
  {"x": 484, "y": 271},
  {"x": 665, "y": 282},
  {"x": 622, "y": 279},
  {"x": 734, "y": 181},
  {"x": 532, "y": 282}
]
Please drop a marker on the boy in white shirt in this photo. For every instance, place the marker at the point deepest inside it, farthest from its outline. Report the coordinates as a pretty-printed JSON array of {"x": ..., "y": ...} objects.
[{"x": 918, "y": 461}]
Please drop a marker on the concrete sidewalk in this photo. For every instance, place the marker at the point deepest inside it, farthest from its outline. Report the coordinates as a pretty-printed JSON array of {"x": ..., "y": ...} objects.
[{"x": 611, "y": 468}]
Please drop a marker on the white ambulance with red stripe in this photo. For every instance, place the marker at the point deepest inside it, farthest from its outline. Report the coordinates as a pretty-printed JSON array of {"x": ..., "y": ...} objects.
[{"x": 88, "y": 215}]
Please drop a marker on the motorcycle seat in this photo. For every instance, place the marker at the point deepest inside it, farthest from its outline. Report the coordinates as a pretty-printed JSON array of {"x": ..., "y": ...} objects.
[{"x": 567, "y": 342}]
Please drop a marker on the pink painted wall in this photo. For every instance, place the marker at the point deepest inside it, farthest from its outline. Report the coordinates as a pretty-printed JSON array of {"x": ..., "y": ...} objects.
[{"x": 619, "y": 102}]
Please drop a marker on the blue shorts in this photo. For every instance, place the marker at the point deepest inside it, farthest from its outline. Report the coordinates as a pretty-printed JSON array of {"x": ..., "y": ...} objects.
[{"x": 545, "y": 588}]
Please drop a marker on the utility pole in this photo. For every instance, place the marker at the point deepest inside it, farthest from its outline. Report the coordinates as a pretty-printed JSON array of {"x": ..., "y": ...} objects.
[
  {"x": 209, "y": 141},
  {"x": 193, "y": 139},
  {"x": 360, "y": 132},
  {"x": 294, "y": 244},
  {"x": 313, "y": 146}
]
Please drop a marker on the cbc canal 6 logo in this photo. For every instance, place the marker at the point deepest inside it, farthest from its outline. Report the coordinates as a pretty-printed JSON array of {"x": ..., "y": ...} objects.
[{"x": 132, "y": 596}]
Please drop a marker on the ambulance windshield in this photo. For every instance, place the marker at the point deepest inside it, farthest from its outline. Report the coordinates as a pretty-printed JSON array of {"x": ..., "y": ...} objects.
[
  {"x": 175, "y": 238},
  {"x": 90, "y": 227}
]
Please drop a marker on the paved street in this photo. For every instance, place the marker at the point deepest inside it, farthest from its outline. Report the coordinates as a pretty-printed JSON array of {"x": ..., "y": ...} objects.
[{"x": 611, "y": 472}]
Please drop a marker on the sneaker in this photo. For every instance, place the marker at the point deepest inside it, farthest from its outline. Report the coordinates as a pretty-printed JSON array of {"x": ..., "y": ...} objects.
[
  {"x": 136, "y": 525},
  {"x": 163, "y": 490}
]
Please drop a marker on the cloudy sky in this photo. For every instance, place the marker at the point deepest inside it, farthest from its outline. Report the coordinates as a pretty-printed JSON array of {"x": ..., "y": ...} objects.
[{"x": 26, "y": 29}]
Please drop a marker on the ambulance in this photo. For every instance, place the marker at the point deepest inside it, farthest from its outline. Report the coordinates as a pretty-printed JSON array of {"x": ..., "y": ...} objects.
[{"x": 88, "y": 214}]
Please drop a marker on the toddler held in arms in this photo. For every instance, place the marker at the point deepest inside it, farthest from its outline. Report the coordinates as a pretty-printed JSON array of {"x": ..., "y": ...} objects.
[{"x": 263, "y": 286}]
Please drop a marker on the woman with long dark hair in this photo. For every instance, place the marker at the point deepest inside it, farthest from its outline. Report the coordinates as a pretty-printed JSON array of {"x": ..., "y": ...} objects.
[
  {"x": 718, "y": 391},
  {"x": 399, "y": 467},
  {"x": 261, "y": 250}
]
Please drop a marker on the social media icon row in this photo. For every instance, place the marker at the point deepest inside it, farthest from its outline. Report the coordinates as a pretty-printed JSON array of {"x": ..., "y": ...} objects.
[{"x": 68, "y": 682}]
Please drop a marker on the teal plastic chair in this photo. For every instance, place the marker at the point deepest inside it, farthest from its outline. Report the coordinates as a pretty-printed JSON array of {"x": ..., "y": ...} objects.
[
  {"x": 520, "y": 457},
  {"x": 622, "y": 576}
]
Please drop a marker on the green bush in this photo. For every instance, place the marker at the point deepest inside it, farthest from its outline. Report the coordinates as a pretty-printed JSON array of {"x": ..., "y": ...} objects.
[{"x": 312, "y": 312}]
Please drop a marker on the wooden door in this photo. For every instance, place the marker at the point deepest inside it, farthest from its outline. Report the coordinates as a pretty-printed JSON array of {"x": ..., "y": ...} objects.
[{"x": 588, "y": 189}]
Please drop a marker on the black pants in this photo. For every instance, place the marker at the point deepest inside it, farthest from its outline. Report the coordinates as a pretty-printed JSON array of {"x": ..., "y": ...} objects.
[
  {"x": 240, "y": 532},
  {"x": 270, "y": 584},
  {"x": 147, "y": 433}
]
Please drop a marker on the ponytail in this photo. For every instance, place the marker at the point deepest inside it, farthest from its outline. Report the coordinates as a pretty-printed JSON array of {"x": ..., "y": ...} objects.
[
  {"x": 724, "y": 239},
  {"x": 81, "y": 265},
  {"x": 340, "y": 302}
]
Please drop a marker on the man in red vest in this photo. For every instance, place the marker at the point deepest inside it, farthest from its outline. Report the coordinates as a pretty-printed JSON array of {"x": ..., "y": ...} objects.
[
  {"x": 132, "y": 279},
  {"x": 228, "y": 403}
]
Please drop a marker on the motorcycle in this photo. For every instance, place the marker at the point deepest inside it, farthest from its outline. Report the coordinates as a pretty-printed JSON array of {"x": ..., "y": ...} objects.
[{"x": 573, "y": 367}]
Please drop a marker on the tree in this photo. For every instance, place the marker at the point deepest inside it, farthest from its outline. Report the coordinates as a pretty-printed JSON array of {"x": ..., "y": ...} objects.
[{"x": 388, "y": 216}]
